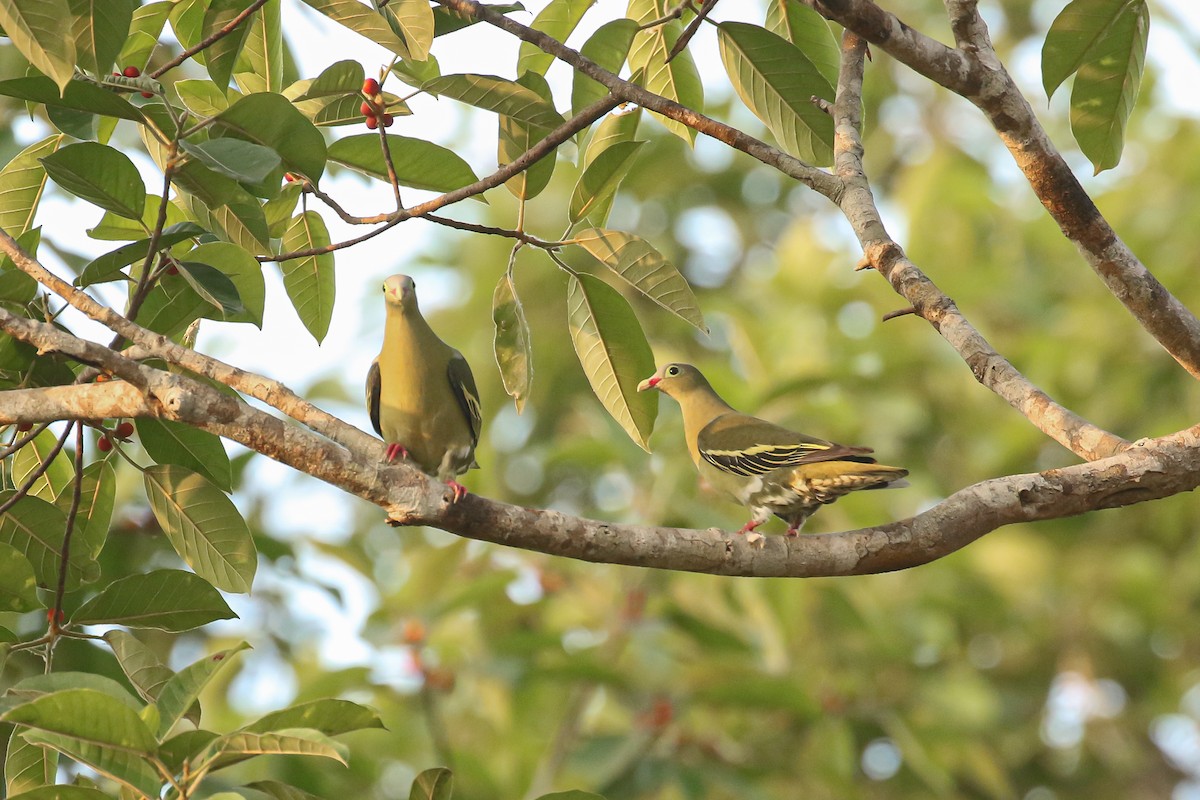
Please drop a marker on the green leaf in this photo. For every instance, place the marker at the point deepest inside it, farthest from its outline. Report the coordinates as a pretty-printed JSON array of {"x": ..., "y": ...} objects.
[
  {"x": 167, "y": 599},
  {"x": 139, "y": 663},
  {"x": 419, "y": 164},
  {"x": 18, "y": 586},
  {"x": 94, "y": 728},
  {"x": 51, "y": 682},
  {"x": 503, "y": 96},
  {"x": 272, "y": 121},
  {"x": 636, "y": 262},
  {"x": 516, "y": 137},
  {"x": 223, "y": 54},
  {"x": 116, "y": 228},
  {"x": 62, "y": 791},
  {"x": 677, "y": 79},
  {"x": 329, "y": 716},
  {"x": 100, "y": 28},
  {"x": 413, "y": 21},
  {"x": 776, "y": 81},
  {"x": 108, "y": 266},
  {"x": 172, "y": 306},
  {"x": 17, "y": 286},
  {"x": 79, "y": 95},
  {"x": 292, "y": 741},
  {"x": 446, "y": 20},
  {"x": 558, "y": 19},
  {"x": 571, "y": 794},
  {"x": 416, "y": 73},
  {"x": 364, "y": 21},
  {"x": 215, "y": 288},
  {"x": 432, "y": 784},
  {"x": 613, "y": 351},
  {"x": 76, "y": 124},
  {"x": 243, "y": 161},
  {"x": 264, "y": 46},
  {"x": 608, "y": 47},
  {"x": 339, "y": 78},
  {"x": 97, "y": 496},
  {"x": 183, "y": 689},
  {"x": 223, "y": 207},
  {"x": 203, "y": 526},
  {"x": 246, "y": 274},
  {"x": 278, "y": 213},
  {"x": 148, "y": 21},
  {"x": 58, "y": 476},
  {"x": 99, "y": 174},
  {"x": 809, "y": 31},
  {"x": 41, "y": 31},
  {"x": 27, "y": 767},
  {"x": 1075, "y": 36},
  {"x": 514, "y": 354},
  {"x": 184, "y": 747},
  {"x": 36, "y": 528},
  {"x": 616, "y": 127},
  {"x": 281, "y": 791},
  {"x": 598, "y": 184},
  {"x": 21, "y": 183},
  {"x": 170, "y": 442},
  {"x": 309, "y": 281},
  {"x": 203, "y": 98}
]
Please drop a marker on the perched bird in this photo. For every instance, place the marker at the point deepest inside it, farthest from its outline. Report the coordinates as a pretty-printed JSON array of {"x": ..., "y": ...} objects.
[
  {"x": 421, "y": 394},
  {"x": 767, "y": 468}
]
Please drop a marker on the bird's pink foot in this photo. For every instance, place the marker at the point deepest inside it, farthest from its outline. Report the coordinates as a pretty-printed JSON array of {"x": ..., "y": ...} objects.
[
  {"x": 396, "y": 449},
  {"x": 459, "y": 490},
  {"x": 749, "y": 526}
]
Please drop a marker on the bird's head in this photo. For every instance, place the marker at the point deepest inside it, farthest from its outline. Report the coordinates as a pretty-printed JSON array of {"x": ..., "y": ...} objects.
[
  {"x": 400, "y": 291},
  {"x": 674, "y": 379}
]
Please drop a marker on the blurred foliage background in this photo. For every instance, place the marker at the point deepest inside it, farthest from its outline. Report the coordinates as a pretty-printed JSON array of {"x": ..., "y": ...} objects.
[{"x": 1058, "y": 660}]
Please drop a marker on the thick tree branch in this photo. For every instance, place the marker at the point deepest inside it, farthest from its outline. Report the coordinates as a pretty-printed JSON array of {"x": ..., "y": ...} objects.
[
  {"x": 988, "y": 366},
  {"x": 1149, "y": 470},
  {"x": 976, "y": 73}
]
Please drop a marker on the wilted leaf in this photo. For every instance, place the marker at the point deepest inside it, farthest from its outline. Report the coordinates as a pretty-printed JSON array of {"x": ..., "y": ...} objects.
[{"x": 514, "y": 355}]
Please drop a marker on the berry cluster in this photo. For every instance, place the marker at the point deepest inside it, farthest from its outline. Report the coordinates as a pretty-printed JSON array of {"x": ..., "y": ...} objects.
[
  {"x": 122, "y": 432},
  {"x": 132, "y": 72},
  {"x": 373, "y": 108}
]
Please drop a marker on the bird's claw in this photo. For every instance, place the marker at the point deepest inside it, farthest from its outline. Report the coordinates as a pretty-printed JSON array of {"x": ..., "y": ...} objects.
[
  {"x": 459, "y": 491},
  {"x": 396, "y": 449},
  {"x": 755, "y": 539}
]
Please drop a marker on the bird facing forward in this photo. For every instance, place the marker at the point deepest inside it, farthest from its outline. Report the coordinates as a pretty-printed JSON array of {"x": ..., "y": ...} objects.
[
  {"x": 420, "y": 392},
  {"x": 767, "y": 468}
]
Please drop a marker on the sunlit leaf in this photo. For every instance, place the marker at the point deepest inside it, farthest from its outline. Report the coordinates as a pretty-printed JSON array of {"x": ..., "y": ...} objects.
[
  {"x": 148, "y": 22},
  {"x": 247, "y": 276},
  {"x": 167, "y": 599},
  {"x": 432, "y": 784},
  {"x": 293, "y": 741},
  {"x": 18, "y": 586},
  {"x": 41, "y": 31},
  {"x": 99, "y": 174},
  {"x": 419, "y": 164},
  {"x": 281, "y": 791},
  {"x": 339, "y": 78},
  {"x": 516, "y": 137},
  {"x": 677, "y": 79},
  {"x": 273, "y": 122},
  {"x": 27, "y": 767},
  {"x": 108, "y": 266},
  {"x": 363, "y": 20},
  {"x": 514, "y": 354},
  {"x": 57, "y": 477},
  {"x": 264, "y": 46},
  {"x": 223, "y": 53},
  {"x": 413, "y": 20},
  {"x": 608, "y": 47},
  {"x": 100, "y": 28},
  {"x": 203, "y": 526},
  {"x": 116, "y": 228},
  {"x": 615, "y": 128},
  {"x": 97, "y": 496},
  {"x": 503, "y": 96},
  {"x": 447, "y": 20},
  {"x": 598, "y": 184},
  {"x": 613, "y": 351},
  {"x": 329, "y": 716},
  {"x": 170, "y": 442},
  {"x": 62, "y": 791},
  {"x": 21, "y": 183},
  {"x": 309, "y": 280},
  {"x": 183, "y": 688},
  {"x": 141, "y": 666},
  {"x": 558, "y": 19},
  {"x": 809, "y": 31}
]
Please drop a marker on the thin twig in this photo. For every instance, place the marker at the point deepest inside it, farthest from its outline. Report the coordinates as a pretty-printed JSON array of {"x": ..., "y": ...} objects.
[
  {"x": 690, "y": 30},
  {"x": 64, "y": 557},
  {"x": 520, "y": 236}
]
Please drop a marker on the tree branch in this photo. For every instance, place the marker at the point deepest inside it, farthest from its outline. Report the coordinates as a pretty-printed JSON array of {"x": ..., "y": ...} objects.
[{"x": 976, "y": 73}]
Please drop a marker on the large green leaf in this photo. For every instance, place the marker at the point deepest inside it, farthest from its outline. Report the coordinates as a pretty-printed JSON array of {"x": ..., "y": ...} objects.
[
  {"x": 141, "y": 666},
  {"x": 432, "y": 784},
  {"x": 41, "y": 31},
  {"x": 167, "y": 599},
  {"x": 676, "y": 79},
  {"x": 290, "y": 741},
  {"x": 413, "y": 21},
  {"x": 99, "y": 174},
  {"x": 27, "y": 767},
  {"x": 640, "y": 265},
  {"x": 558, "y": 19},
  {"x": 608, "y": 47},
  {"x": 419, "y": 164},
  {"x": 21, "y": 183},
  {"x": 613, "y": 351},
  {"x": 329, "y": 716},
  {"x": 514, "y": 354},
  {"x": 51, "y": 682},
  {"x": 222, "y": 206},
  {"x": 100, "y": 28},
  {"x": 598, "y": 184},
  {"x": 118, "y": 229},
  {"x": 281, "y": 791},
  {"x": 36, "y": 528},
  {"x": 56, "y": 478},
  {"x": 809, "y": 31},
  {"x": 108, "y": 266},
  {"x": 148, "y": 22},
  {"x": 243, "y": 161},
  {"x": 202, "y": 525},
  {"x": 272, "y": 121},
  {"x": 18, "y": 586},
  {"x": 777, "y": 82},
  {"x": 309, "y": 280},
  {"x": 170, "y": 442},
  {"x": 94, "y": 728},
  {"x": 62, "y": 791},
  {"x": 503, "y": 96},
  {"x": 223, "y": 54},
  {"x": 616, "y": 127},
  {"x": 516, "y": 137},
  {"x": 446, "y": 20},
  {"x": 171, "y": 307},
  {"x": 246, "y": 274},
  {"x": 339, "y": 78},
  {"x": 363, "y": 20},
  {"x": 79, "y": 95},
  {"x": 97, "y": 495},
  {"x": 183, "y": 689},
  {"x": 264, "y": 46}
]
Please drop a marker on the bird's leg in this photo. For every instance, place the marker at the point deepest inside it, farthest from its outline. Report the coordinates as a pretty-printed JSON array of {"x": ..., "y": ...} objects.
[
  {"x": 459, "y": 490},
  {"x": 751, "y": 525},
  {"x": 396, "y": 449}
]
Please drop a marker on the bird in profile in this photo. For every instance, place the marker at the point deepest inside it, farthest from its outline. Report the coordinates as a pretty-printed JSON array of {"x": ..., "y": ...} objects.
[
  {"x": 420, "y": 392},
  {"x": 767, "y": 468}
]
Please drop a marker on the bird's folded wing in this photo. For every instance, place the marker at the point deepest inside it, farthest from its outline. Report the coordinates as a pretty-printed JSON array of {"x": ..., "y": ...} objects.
[
  {"x": 745, "y": 445},
  {"x": 462, "y": 383},
  {"x": 373, "y": 395}
]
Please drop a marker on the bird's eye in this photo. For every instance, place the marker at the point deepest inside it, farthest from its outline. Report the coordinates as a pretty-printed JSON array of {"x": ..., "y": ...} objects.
[
  {"x": 672, "y": 370},
  {"x": 384, "y": 286}
]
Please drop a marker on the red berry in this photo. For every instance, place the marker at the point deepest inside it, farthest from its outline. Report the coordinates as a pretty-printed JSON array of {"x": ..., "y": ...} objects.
[
  {"x": 367, "y": 109},
  {"x": 387, "y": 120},
  {"x": 24, "y": 427},
  {"x": 372, "y": 123},
  {"x": 105, "y": 444},
  {"x": 124, "y": 430},
  {"x": 370, "y": 87},
  {"x": 413, "y": 631},
  {"x": 289, "y": 177},
  {"x": 147, "y": 94},
  {"x": 131, "y": 72}
]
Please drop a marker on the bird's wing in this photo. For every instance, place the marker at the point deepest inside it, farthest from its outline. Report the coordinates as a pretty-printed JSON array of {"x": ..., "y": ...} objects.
[
  {"x": 745, "y": 445},
  {"x": 462, "y": 383},
  {"x": 373, "y": 395}
]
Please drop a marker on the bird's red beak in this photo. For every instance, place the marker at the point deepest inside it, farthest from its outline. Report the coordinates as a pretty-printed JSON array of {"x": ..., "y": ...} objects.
[{"x": 649, "y": 383}]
